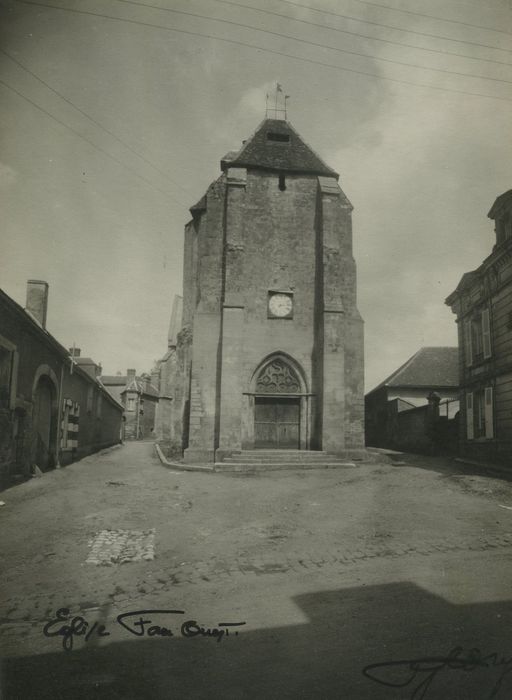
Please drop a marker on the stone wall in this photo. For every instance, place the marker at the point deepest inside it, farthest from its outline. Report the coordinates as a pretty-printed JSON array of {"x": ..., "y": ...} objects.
[{"x": 39, "y": 358}]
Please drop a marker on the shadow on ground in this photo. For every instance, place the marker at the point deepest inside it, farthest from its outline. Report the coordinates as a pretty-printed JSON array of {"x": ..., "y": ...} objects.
[
  {"x": 347, "y": 630},
  {"x": 448, "y": 466}
]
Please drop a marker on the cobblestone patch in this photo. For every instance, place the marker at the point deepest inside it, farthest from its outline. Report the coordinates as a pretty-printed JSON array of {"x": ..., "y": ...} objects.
[
  {"x": 114, "y": 546},
  {"x": 121, "y": 546}
]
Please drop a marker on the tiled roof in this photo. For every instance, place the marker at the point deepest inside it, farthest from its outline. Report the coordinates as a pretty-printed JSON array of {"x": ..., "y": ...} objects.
[
  {"x": 276, "y": 145},
  {"x": 431, "y": 367}
]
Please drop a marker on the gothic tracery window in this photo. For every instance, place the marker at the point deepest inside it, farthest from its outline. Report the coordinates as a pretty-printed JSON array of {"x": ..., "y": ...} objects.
[{"x": 277, "y": 377}]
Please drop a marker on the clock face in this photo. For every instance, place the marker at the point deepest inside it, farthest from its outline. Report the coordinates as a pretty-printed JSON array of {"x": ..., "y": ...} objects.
[{"x": 280, "y": 305}]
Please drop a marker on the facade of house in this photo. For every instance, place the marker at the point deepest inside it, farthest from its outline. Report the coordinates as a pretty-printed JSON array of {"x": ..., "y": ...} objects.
[
  {"x": 139, "y": 398},
  {"x": 270, "y": 349},
  {"x": 415, "y": 406},
  {"x": 52, "y": 411},
  {"x": 482, "y": 303}
]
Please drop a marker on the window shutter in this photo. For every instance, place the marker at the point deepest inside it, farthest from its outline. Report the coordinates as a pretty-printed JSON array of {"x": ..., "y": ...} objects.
[
  {"x": 489, "y": 415},
  {"x": 468, "y": 348},
  {"x": 486, "y": 333},
  {"x": 469, "y": 416}
]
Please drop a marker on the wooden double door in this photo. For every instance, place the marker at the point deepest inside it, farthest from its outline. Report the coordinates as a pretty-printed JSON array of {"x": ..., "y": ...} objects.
[{"x": 276, "y": 422}]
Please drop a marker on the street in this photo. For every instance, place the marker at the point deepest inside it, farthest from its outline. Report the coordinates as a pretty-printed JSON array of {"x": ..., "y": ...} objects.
[{"x": 381, "y": 581}]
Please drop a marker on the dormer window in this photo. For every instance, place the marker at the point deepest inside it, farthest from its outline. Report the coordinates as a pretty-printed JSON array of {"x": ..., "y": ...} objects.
[
  {"x": 504, "y": 228},
  {"x": 277, "y": 137}
]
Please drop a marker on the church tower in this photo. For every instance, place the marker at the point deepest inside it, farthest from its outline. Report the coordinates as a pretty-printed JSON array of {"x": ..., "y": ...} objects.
[{"x": 271, "y": 347}]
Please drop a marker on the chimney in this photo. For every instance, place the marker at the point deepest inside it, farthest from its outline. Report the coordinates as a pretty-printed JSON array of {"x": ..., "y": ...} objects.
[
  {"x": 74, "y": 352},
  {"x": 37, "y": 300},
  {"x": 130, "y": 375}
]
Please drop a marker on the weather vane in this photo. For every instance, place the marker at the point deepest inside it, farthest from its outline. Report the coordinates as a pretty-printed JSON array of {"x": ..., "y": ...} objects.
[{"x": 279, "y": 105}]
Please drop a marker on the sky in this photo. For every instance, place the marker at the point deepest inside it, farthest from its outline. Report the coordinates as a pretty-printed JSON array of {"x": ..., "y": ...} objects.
[{"x": 114, "y": 116}]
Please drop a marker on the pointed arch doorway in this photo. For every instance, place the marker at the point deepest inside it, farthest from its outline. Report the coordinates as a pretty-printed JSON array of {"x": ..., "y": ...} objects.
[{"x": 278, "y": 405}]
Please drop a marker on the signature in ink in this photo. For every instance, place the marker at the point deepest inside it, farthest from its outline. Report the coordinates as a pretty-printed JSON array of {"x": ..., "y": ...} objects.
[
  {"x": 419, "y": 674},
  {"x": 77, "y": 626},
  {"x": 139, "y": 623}
]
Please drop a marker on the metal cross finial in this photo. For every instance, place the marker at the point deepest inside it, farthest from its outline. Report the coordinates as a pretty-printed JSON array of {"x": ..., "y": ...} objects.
[{"x": 280, "y": 103}]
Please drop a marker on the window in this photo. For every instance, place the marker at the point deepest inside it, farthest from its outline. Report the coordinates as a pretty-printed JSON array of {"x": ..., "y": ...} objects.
[
  {"x": 477, "y": 337},
  {"x": 131, "y": 405},
  {"x": 504, "y": 228},
  {"x": 99, "y": 403},
  {"x": 70, "y": 425},
  {"x": 480, "y": 414},
  {"x": 282, "y": 182},
  {"x": 5, "y": 376},
  {"x": 277, "y": 137},
  {"x": 8, "y": 371}
]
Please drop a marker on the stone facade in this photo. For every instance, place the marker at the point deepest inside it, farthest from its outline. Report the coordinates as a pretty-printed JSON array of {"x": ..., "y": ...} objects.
[
  {"x": 482, "y": 303},
  {"x": 270, "y": 353}
]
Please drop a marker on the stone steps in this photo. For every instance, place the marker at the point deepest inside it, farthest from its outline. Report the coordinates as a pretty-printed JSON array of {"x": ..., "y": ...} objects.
[
  {"x": 285, "y": 458},
  {"x": 273, "y": 460},
  {"x": 276, "y": 466}
]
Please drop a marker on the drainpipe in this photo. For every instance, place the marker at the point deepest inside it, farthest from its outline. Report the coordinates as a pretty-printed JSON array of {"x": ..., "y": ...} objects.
[
  {"x": 138, "y": 416},
  {"x": 59, "y": 417}
]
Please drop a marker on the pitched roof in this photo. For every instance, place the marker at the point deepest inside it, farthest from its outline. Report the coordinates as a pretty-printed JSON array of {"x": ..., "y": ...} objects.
[
  {"x": 430, "y": 367},
  {"x": 275, "y": 145},
  {"x": 137, "y": 384}
]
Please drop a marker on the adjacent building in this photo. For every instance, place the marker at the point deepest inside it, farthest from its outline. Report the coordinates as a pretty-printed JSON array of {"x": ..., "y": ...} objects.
[
  {"x": 416, "y": 407},
  {"x": 270, "y": 349},
  {"x": 167, "y": 376},
  {"x": 139, "y": 398},
  {"x": 53, "y": 410},
  {"x": 482, "y": 303}
]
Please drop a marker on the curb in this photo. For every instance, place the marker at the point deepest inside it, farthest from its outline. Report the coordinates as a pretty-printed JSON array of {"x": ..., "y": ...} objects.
[
  {"x": 487, "y": 467},
  {"x": 180, "y": 466}
]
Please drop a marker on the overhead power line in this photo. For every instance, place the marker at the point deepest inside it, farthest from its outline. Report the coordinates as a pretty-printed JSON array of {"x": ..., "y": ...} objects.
[
  {"x": 389, "y": 26},
  {"x": 84, "y": 138},
  {"x": 94, "y": 121},
  {"x": 266, "y": 50},
  {"x": 444, "y": 52},
  {"x": 441, "y": 19},
  {"x": 312, "y": 43}
]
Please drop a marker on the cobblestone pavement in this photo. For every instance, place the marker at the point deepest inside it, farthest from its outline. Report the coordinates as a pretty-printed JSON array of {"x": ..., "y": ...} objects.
[
  {"x": 329, "y": 572},
  {"x": 111, "y": 547}
]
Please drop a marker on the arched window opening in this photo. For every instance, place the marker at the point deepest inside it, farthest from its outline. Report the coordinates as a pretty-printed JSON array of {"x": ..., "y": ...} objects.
[{"x": 277, "y": 377}]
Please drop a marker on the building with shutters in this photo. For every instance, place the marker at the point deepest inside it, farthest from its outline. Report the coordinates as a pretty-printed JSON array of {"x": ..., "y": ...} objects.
[
  {"x": 482, "y": 303},
  {"x": 270, "y": 350}
]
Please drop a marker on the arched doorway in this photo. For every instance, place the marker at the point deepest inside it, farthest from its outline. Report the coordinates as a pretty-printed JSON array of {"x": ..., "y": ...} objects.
[
  {"x": 43, "y": 424},
  {"x": 277, "y": 405}
]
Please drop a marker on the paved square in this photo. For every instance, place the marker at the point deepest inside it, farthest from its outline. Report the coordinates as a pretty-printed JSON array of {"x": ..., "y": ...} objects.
[{"x": 121, "y": 546}]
